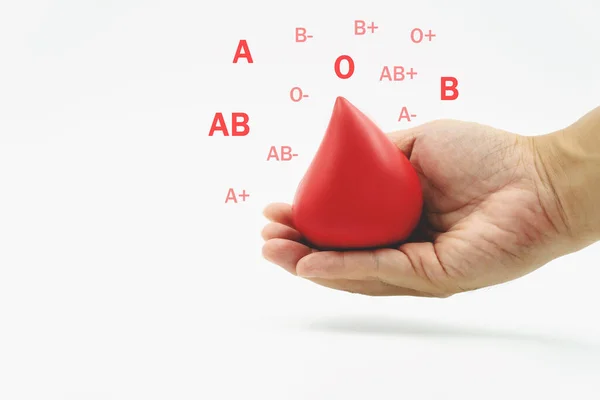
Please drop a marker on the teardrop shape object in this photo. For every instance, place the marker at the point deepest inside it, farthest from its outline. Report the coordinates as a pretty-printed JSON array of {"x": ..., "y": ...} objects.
[{"x": 360, "y": 190}]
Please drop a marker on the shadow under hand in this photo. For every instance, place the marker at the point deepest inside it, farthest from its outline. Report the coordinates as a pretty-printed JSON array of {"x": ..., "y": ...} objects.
[{"x": 391, "y": 327}]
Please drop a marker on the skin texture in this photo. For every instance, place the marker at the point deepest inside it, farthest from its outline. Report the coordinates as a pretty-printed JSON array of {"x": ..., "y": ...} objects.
[{"x": 496, "y": 207}]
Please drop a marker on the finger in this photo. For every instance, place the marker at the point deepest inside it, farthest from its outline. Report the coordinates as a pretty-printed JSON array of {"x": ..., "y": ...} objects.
[
  {"x": 279, "y": 212},
  {"x": 413, "y": 266},
  {"x": 368, "y": 288},
  {"x": 276, "y": 230},
  {"x": 285, "y": 253},
  {"x": 405, "y": 139}
]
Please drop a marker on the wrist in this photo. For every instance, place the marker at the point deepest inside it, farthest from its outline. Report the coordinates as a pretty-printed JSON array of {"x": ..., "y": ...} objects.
[{"x": 568, "y": 164}]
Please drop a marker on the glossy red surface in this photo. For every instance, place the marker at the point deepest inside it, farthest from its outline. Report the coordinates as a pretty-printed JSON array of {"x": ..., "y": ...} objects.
[{"x": 360, "y": 190}]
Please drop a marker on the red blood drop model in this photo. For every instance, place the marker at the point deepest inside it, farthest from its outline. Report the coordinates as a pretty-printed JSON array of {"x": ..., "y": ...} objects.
[{"x": 360, "y": 191}]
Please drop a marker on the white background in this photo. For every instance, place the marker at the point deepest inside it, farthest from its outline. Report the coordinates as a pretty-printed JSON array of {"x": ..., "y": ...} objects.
[{"x": 124, "y": 275}]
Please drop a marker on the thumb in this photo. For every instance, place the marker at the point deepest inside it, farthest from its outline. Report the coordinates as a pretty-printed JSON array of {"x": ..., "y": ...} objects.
[{"x": 405, "y": 139}]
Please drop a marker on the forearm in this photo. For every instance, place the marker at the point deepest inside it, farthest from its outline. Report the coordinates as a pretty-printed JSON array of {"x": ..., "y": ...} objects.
[{"x": 570, "y": 162}]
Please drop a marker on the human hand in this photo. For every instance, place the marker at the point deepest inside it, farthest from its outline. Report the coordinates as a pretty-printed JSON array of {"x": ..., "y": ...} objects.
[{"x": 490, "y": 215}]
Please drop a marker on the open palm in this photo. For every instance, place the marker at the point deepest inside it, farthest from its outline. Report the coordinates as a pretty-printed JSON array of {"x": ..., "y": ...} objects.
[{"x": 488, "y": 218}]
